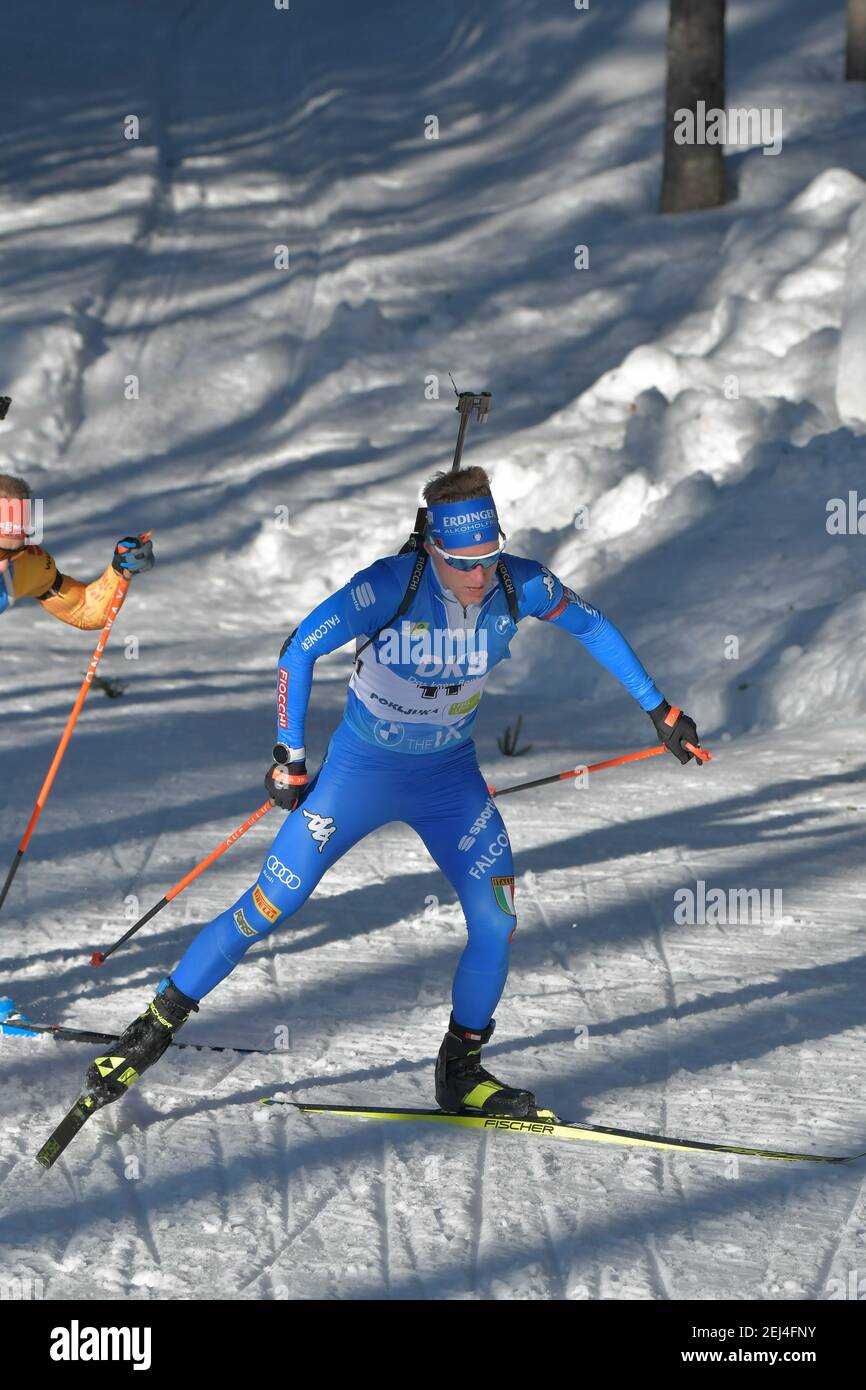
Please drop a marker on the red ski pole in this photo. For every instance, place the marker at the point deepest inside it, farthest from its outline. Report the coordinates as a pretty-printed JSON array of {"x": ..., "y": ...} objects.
[
  {"x": 703, "y": 754},
  {"x": 114, "y": 609},
  {"x": 100, "y": 957}
]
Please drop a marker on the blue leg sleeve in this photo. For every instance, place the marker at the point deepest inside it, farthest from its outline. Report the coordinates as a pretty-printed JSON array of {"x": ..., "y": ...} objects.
[
  {"x": 313, "y": 837},
  {"x": 466, "y": 836}
]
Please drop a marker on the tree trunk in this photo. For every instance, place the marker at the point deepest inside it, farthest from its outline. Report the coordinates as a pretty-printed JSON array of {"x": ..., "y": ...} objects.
[
  {"x": 694, "y": 173},
  {"x": 855, "y": 62}
]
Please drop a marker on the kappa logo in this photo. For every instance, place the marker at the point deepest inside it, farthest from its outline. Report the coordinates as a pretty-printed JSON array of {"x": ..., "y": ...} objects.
[
  {"x": 549, "y": 582},
  {"x": 242, "y": 924},
  {"x": 279, "y": 870},
  {"x": 264, "y": 905},
  {"x": 320, "y": 827},
  {"x": 363, "y": 595}
]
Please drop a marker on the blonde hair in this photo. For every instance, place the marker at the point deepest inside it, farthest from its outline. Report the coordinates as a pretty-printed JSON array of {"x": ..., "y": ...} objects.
[{"x": 458, "y": 487}]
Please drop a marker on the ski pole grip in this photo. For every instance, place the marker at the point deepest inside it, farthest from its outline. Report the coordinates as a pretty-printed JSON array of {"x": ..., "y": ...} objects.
[{"x": 703, "y": 755}]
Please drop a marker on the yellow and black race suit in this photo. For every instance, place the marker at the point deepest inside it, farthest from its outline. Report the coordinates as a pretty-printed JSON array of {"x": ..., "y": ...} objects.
[{"x": 35, "y": 575}]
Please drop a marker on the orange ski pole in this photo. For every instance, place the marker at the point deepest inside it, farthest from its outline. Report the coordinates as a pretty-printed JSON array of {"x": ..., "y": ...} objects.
[
  {"x": 702, "y": 754},
  {"x": 115, "y": 607},
  {"x": 100, "y": 957}
]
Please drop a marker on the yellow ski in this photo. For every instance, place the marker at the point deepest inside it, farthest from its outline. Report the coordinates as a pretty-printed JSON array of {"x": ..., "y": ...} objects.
[{"x": 549, "y": 1126}]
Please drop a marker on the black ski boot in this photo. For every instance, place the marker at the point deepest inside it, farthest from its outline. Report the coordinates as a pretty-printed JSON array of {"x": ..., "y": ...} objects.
[
  {"x": 464, "y": 1087},
  {"x": 139, "y": 1046}
]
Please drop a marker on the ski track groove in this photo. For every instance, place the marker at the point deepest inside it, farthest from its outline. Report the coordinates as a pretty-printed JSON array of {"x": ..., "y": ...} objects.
[
  {"x": 223, "y": 1197},
  {"x": 666, "y": 1174},
  {"x": 266, "y": 1266},
  {"x": 320, "y": 1203},
  {"x": 659, "y": 1276},
  {"x": 383, "y": 1203},
  {"x": 542, "y": 1165},
  {"x": 603, "y": 994},
  {"x": 404, "y": 1222},
  {"x": 773, "y": 1245},
  {"x": 559, "y": 955},
  {"x": 73, "y": 1230},
  {"x": 168, "y": 1121},
  {"x": 820, "y": 1283},
  {"x": 136, "y": 1206},
  {"x": 478, "y": 1211},
  {"x": 99, "y": 305}
]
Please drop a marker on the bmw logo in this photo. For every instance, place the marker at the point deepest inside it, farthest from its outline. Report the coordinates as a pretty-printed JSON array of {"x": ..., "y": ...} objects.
[{"x": 388, "y": 732}]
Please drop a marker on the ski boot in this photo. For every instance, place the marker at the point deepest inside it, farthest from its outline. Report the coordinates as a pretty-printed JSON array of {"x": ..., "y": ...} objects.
[
  {"x": 139, "y": 1046},
  {"x": 464, "y": 1087}
]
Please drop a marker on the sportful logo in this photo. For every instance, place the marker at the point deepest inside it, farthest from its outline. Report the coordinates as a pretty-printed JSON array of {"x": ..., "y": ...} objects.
[
  {"x": 363, "y": 595},
  {"x": 279, "y": 870},
  {"x": 320, "y": 827},
  {"x": 282, "y": 698},
  {"x": 320, "y": 631},
  {"x": 477, "y": 825},
  {"x": 444, "y": 651},
  {"x": 77, "y": 1343}
]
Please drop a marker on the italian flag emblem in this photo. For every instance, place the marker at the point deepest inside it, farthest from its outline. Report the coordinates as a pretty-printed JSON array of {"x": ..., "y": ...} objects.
[{"x": 503, "y": 892}]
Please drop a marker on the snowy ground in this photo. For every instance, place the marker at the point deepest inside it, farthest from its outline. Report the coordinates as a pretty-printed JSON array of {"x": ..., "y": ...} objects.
[{"x": 303, "y": 389}]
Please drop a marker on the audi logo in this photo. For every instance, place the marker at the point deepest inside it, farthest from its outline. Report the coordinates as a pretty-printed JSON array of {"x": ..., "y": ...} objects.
[{"x": 280, "y": 871}]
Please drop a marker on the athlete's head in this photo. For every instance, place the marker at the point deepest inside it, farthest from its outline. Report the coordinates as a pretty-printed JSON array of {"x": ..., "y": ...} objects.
[
  {"x": 13, "y": 534},
  {"x": 462, "y": 523}
]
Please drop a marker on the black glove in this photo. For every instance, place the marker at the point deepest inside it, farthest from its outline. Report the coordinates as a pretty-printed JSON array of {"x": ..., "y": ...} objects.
[
  {"x": 675, "y": 730},
  {"x": 284, "y": 783},
  {"x": 133, "y": 555}
]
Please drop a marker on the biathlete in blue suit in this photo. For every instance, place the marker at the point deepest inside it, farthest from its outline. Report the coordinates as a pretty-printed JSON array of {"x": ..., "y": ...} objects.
[{"x": 429, "y": 626}]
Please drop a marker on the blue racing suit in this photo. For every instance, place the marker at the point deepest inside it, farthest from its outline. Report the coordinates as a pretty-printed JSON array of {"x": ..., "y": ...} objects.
[{"x": 404, "y": 752}]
